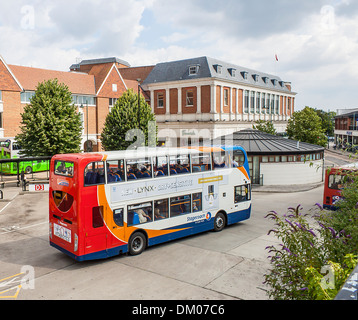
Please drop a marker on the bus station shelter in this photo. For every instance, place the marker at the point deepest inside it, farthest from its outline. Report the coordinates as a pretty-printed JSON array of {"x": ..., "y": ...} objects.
[{"x": 275, "y": 160}]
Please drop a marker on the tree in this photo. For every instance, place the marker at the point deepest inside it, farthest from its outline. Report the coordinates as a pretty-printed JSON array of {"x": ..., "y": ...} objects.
[
  {"x": 306, "y": 126},
  {"x": 327, "y": 121},
  {"x": 265, "y": 126},
  {"x": 121, "y": 125},
  {"x": 50, "y": 123}
]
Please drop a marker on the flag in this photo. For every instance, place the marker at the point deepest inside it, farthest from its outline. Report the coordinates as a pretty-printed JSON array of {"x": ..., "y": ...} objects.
[{"x": 276, "y": 57}]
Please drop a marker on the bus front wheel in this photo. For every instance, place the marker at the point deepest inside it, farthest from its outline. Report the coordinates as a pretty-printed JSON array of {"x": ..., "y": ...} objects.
[
  {"x": 219, "y": 222},
  {"x": 137, "y": 243}
]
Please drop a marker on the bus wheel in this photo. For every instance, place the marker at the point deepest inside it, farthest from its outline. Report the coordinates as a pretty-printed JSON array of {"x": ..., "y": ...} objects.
[
  {"x": 28, "y": 170},
  {"x": 137, "y": 243},
  {"x": 219, "y": 222}
]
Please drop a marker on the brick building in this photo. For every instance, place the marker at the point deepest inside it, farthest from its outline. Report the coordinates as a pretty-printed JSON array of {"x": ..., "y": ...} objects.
[
  {"x": 346, "y": 128},
  {"x": 196, "y": 98},
  {"x": 95, "y": 85}
]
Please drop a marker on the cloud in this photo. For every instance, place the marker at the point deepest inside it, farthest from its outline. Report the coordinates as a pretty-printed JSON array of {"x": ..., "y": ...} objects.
[{"x": 316, "y": 41}]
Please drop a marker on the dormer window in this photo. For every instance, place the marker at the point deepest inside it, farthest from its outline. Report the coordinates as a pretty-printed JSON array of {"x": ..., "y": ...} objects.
[
  {"x": 232, "y": 71},
  {"x": 282, "y": 83},
  {"x": 265, "y": 79},
  {"x": 274, "y": 82},
  {"x": 255, "y": 77},
  {"x": 244, "y": 74},
  {"x": 218, "y": 68},
  {"x": 193, "y": 70}
]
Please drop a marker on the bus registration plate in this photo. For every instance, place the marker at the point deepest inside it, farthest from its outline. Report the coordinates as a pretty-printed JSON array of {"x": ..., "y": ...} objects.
[{"x": 62, "y": 232}]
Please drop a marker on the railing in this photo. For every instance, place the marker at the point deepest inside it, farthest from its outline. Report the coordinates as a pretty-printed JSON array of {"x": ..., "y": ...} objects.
[{"x": 349, "y": 290}]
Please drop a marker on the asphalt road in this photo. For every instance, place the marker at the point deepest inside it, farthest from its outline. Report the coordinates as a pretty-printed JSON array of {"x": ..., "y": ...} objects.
[{"x": 225, "y": 265}]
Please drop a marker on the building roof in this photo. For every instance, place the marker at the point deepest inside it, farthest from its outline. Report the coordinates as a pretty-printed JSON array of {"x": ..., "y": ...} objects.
[
  {"x": 99, "y": 61},
  {"x": 213, "y": 68},
  {"x": 78, "y": 83},
  {"x": 256, "y": 142}
]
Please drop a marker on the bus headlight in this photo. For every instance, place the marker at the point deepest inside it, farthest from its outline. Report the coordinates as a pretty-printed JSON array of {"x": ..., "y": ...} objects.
[
  {"x": 76, "y": 243},
  {"x": 50, "y": 230}
]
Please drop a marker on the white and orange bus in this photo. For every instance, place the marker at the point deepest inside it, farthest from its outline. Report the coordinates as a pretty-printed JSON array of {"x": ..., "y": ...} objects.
[{"x": 104, "y": 204}]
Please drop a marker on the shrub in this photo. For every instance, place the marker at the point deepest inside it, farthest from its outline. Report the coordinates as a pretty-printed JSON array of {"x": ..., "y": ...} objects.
[{"x": 303, "y": 253}]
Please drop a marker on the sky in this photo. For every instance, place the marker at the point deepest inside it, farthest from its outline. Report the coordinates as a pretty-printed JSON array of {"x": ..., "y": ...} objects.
[{"x": 316, "y": 42}]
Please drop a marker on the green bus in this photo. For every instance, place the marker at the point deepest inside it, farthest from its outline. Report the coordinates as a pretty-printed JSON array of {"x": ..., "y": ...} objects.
[{"x": 9, "y": 149}]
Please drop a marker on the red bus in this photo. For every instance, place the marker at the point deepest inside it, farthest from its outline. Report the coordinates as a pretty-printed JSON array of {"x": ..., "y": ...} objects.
[
  {"x": 105, "y": 204},
  {"x": 335, "y": 178}
]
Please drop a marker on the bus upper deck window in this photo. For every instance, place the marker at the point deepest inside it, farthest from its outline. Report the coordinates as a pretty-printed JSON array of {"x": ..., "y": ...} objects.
[
  {"x": 220, "y": 160},
  {"x": 94, "y": 173},
  {"x": 64, "y": 168},
  {"x": 201, "y": 162}
]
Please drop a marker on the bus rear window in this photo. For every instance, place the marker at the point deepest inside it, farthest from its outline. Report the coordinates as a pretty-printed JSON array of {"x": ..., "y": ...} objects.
[{"x": 64, "y": 168}]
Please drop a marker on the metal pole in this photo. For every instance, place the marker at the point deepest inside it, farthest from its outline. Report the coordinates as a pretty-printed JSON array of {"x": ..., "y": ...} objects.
[{"x": 138, "y": 102}]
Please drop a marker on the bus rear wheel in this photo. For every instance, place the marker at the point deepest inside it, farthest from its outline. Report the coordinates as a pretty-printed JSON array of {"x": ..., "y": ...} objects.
[
  {"x": 137, "y": 243},
  {"x": 219, "y": 222}
]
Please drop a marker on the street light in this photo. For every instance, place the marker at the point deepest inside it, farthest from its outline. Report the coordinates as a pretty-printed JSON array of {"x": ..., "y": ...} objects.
[
  {"x": 87, "y": 142},
  {"x": 139, "y": 80}
]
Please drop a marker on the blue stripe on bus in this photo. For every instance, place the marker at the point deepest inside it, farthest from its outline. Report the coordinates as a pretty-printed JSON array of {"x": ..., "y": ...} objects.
[{"x": 188, "y": 229}]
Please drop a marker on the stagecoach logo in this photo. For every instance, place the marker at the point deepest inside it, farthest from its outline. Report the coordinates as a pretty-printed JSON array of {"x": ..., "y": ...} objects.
[
  {"x": 208, "y": 216},
  {"x": 63, "y": 183}
]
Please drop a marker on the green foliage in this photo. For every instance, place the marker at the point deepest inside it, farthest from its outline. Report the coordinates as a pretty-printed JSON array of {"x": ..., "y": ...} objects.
[
  {"x": 122, "y": 130},
  {"x": 300, "y": 262},
  {"x": 51, "y": 123},
  {"x": 306, "y": 126},
  {"x": 321, "y": 289},
  {"x": 327, "y": 119},
  {"x": 265, "y": 126}
]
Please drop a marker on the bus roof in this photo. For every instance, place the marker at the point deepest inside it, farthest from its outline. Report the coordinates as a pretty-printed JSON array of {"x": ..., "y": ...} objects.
[{"x": 150, "y": 151}]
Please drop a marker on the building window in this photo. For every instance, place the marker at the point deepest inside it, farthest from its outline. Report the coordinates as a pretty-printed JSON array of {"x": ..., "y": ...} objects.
[
  {"x": 258, "y": 99},
  {"x": 26, "y": 96},
  {"x": 112, "y": 102},
  {"x": 252, "y": 106},
  {"x": 0, "y": 95},
  {"x": 268, "y": 103},
  {"x": 277, "y": 105},
  {"x": 232, "y": 71},
  {"x": 189, "y": 98},
  {"x": 114, "y": 87},
  {"x": 226, "y": 97},
  {"x": 160, "y": 98},
  {"x": 244, "y": 74},
  {"x": 246, "y": 101},
  {"x": 218, "y": 68},
  {"x": 263, "y": 97},
  {"x": 193, "y": 70},
  {"x": 83, "y": 100}
]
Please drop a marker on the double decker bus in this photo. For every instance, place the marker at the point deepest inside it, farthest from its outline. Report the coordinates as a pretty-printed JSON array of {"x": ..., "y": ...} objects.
[
  {"x": 335, "y": 178},
  {"x": 10, "y": 149},
  {"x": 108, "y": 203}
]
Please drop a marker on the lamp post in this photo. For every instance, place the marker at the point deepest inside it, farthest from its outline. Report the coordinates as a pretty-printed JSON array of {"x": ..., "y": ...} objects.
[
  {"x": 87, "y": 144},
  {"x": 139, "y": 102}
]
